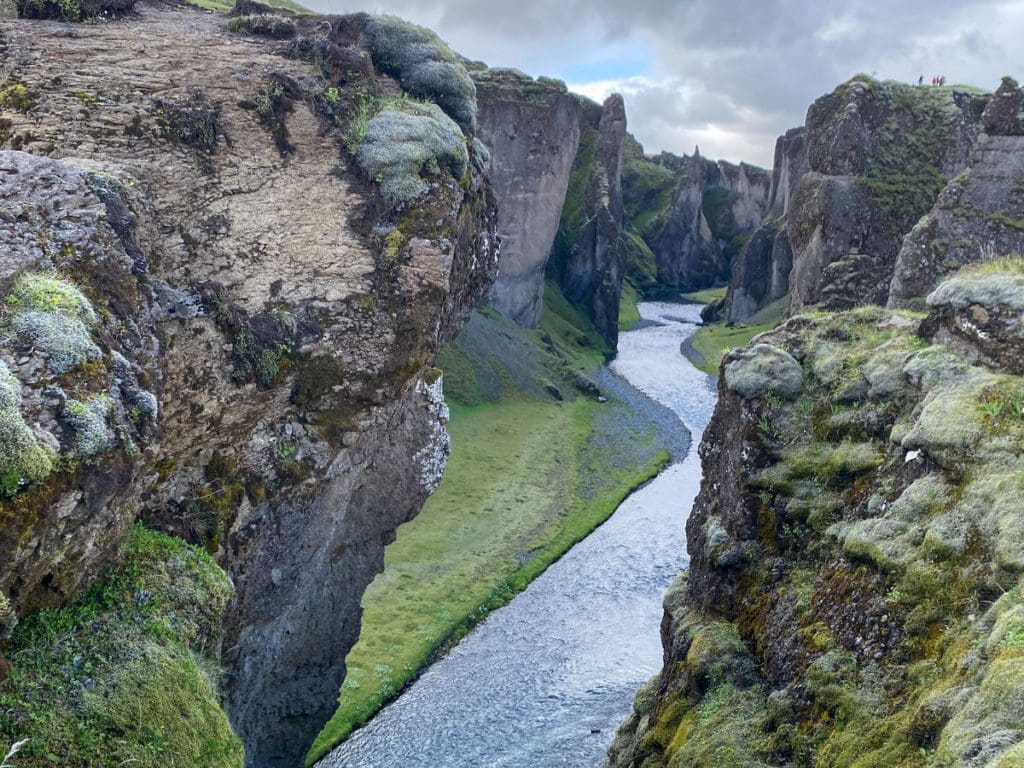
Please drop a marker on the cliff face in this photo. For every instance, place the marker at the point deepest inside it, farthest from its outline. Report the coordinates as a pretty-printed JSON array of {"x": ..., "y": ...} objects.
[
  {"x": 221, "y": 326},
  {"x": 854, "y": 595},
  {"x": 760, "y": 275},
  {"x": 871, "y": 159},
  {"x": 590, "y": 271},
  {"x": 693, "y": 214},
  {"x": 879, "y": 153},
  {"x": 532, "y": 129},
  {"x": 979, "y": 213}
]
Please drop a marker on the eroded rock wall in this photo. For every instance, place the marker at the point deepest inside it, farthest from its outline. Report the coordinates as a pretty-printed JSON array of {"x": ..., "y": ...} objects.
[
  {"x": 532, "y": 130},
  {"x": 283, "y": 310},
  {"x": 980, "y": 213}
]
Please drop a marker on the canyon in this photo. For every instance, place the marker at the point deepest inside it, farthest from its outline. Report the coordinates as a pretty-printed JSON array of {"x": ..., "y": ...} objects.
[{"x": 253, "y": 263}]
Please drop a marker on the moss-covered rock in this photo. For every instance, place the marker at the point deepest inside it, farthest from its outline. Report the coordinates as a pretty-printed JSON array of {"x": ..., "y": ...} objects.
[
  {"x": 424, "y": 65},
  {"x": 23, "y": 459},
  {"x": 763, "y": 369},
  {"x": 406, "y": 141},
  {"x": 866, "y": 551},
  {"x": 126, "y": 674},
  {"x": 52, "y": 315}
]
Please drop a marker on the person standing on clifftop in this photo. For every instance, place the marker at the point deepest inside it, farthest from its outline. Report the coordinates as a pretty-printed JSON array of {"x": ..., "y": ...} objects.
[
  {"x": 934, "y": 79},
  {"x": 920, "y": 80},
  {"x": 942, "y": 80}
]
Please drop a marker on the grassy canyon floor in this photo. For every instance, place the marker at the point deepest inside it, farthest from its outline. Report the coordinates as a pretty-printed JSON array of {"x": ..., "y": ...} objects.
[{"x": 536, "y": 465}]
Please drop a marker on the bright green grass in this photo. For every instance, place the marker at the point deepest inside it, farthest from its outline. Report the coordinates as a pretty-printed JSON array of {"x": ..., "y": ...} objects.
[
  {"x": 628, "y": 311},
  {"x": 712, "y": 342},
  {"x": 224, "y": 6},
  {"x": 707, "y": 296},
  {"x": 510, "y": 504}
]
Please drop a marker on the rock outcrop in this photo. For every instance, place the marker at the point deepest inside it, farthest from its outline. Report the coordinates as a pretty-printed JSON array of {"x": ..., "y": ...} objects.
[
  {"x": 979, "y": 214},
  {"x": 760, "y": 275},
  {"x": 532, "y": 130},
  {"x": 589, "y": 261},
  {"x": 221, "y": 323},
  {"x": 855, "y": 588},
  {"x": 879, "y": 153},
  {"x": 714, "y": 208}
]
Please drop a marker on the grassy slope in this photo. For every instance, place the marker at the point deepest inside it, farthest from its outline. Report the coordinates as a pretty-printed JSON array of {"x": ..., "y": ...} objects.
[
  {"x": 629, "y": 314},
  {"x": 712, "y": 342},
  {"x": 528, "y": 478}
]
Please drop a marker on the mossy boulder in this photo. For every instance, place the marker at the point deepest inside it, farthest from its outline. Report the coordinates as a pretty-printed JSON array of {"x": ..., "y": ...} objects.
[
  {"x": 424, "y": 65},
  {"x": 763, "y": 369},
  {"x": 407, "y": 141},
  {"x": 126, "y": 674},
  {"x": 23, "y": 459}
]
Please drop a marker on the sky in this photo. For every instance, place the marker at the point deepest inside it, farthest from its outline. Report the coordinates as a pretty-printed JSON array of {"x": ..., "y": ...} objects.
[{"x": 727, "y": 75}]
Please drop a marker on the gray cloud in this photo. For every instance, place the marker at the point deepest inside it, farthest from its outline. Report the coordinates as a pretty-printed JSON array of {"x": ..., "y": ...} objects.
[{"x": 728, "y": 74}]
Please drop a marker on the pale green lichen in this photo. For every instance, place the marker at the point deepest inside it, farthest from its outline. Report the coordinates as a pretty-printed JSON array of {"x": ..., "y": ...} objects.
[
  {"x": 763, "y": 369},
  {"x": 53, "y": 316},
  {"x": 88, "y": 422},
  {"x": 982, "y": 287},
  {"x": 424, "y": 65},
  {"x": 406, "y": 140},
  {"x": 23, "y": 459},
  {"x": 8, "y": 618}
]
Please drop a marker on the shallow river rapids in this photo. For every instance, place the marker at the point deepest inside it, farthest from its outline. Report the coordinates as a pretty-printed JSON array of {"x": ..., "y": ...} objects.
[{"x": 547, "y": 679}]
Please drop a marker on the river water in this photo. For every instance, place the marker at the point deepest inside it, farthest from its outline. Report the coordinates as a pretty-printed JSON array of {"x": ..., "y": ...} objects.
[{"x": 547, "y": 679}]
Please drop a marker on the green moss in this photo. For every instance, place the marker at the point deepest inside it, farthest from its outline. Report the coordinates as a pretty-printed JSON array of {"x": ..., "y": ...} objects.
[
  {"x": 14, "y": 94},
  {"x": 574, "y": 206},
  {"x": 51, "y": 314},
  {"x": 629, "y": 315},
  {"x": 424, "y": 65},
  {"x": 23, "y": 459},
  {"x": 1006, "y": 220},
  {"x": 121, "y": 677},
  {"x": 714, "y": 204},
  {"x": 226, "y": 6},
  {"x": 409, "y": 140},
  {"x": 263, "y": 25}
]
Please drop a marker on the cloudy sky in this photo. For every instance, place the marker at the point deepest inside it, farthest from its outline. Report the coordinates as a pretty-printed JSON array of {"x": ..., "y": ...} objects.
[{"x": 729, "y": 75}]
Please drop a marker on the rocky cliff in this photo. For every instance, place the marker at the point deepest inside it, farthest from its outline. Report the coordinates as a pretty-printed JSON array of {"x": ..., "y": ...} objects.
[
  {"x": 692, "y": 214},
  {"x": 588, "y": 260},
  {"x": 879, "y": 153},
  {"x": 231, "y": 252},
  {"x": 855, "y": 590},
  {"x": 979, "y": 213},
  {"x": 760, "y": 274},
  {"x": 532, "y": 130},
  {"x": 869, "y": 162}
]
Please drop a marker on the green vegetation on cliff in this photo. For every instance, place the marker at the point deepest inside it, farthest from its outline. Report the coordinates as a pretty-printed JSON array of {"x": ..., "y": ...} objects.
[
  {"x": 125, "y": 675},
  {"x": 536, "y": 465},
  {"x": 879, "y": 473},
  {"x": 713, "y": 341}
]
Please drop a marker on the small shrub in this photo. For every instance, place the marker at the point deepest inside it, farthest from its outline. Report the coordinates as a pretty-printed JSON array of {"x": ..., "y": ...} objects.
[
  {"x": 424, "y": 65},
  {"x": 14, "y": 94}
]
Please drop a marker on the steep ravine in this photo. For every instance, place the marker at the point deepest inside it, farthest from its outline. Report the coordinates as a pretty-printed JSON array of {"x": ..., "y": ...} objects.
[
  {"x": 223, "y": 297},
  {"x": 544, "y": 680}
]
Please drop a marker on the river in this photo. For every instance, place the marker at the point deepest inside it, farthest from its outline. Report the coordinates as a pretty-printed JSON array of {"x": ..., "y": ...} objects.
[{"x": 546, "y": 680}]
